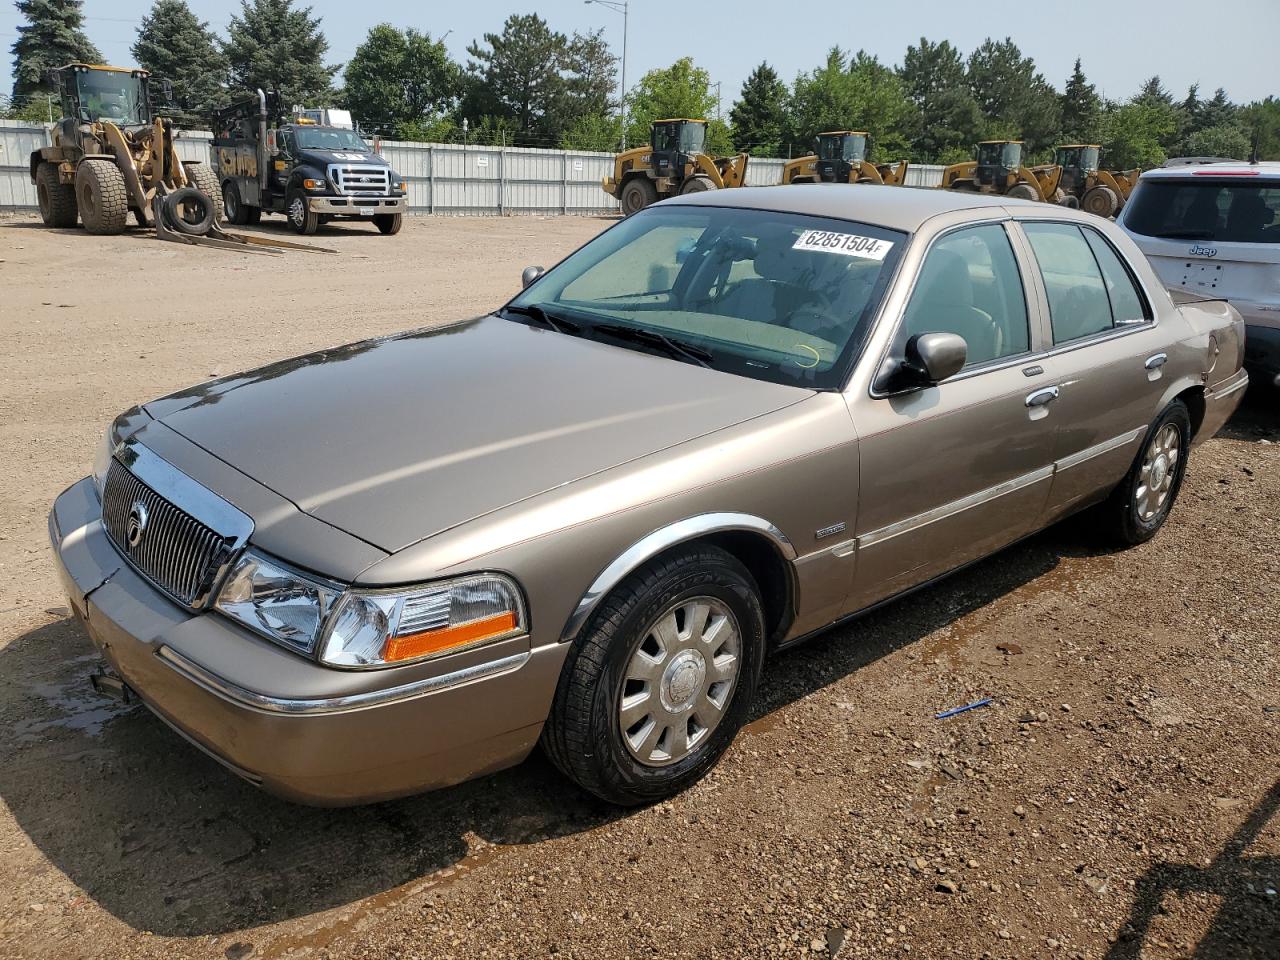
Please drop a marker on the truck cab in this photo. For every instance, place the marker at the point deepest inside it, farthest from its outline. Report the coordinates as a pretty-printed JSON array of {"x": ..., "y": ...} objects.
[
  {"x": 839, "y": 152},
  {"x": 312, "y": 167}
]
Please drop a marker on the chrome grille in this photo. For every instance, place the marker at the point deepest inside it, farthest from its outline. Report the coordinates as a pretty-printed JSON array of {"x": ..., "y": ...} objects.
[
  {"x": 353, "y": 180},
  {"x": 179, "y": 553}
]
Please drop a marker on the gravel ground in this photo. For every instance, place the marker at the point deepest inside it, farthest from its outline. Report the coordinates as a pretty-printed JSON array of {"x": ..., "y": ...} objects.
[{"x": 1119, "y": 800}]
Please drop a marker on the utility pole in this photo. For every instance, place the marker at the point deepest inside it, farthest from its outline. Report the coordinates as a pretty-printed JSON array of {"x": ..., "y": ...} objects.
[{"x": 623, "y": 7}]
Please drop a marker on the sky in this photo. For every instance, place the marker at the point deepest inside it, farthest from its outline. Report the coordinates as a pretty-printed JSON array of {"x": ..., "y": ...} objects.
[{"x": 1184, "y": 41}]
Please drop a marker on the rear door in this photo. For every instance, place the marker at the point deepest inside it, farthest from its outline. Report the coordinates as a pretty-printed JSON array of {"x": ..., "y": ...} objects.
[{"x": 1106, "y": 354}]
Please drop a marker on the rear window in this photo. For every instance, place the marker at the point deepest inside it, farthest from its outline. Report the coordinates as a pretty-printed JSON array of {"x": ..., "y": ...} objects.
[{"x": 1226, "y": 211}]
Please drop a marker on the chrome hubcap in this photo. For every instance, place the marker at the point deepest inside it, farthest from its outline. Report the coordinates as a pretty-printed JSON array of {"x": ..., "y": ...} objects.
[
  {"x": 679, "y": 681},
  {"x": 297, "y": 212},
  {"x": 1159, "y": 466}
]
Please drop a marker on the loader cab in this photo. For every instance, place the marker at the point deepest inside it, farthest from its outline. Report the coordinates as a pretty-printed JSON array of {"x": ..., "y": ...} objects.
[
  {"x": 837, "y": 152},
  {"x": 91, "y": 93},
  {"x": 997, "y": 159},
  {"x": 1078, "y": 161},
  {"x": 673, "y": 142}
]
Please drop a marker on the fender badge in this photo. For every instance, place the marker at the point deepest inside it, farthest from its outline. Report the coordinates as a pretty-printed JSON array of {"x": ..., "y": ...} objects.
[{"x": 828, "y": 531}]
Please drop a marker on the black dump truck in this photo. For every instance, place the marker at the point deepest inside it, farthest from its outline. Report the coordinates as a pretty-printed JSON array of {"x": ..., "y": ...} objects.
[{"x": 310, "y": 165}]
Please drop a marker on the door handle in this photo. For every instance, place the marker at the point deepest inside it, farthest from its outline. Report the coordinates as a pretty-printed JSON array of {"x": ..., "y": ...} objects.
[
  {"x": 1043, "y": 397},
  {"x": 1156, "y": 361}
]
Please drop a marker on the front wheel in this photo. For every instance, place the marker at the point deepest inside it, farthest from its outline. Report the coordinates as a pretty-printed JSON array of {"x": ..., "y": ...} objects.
[
  {"x": 57, "y": 200},
  {"x": 301, "y": 217},
  {"x": 661, "y": 678},
  {"x": 637, "y": 193},
  {"x": 1139, "y": 506},
  {"x": 388, "y": 223}
]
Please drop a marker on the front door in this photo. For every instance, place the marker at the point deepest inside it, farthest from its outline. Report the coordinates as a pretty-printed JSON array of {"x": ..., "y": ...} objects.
[{"x": 953, "y": 472}]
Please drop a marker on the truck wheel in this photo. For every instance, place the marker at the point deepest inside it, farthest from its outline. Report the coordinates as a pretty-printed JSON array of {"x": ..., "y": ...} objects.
[
  {"x": 102, "y": 197},
  {"x": 253, "y": 215},
  {"x": 57, "y": 200},
  {"x": 206, "y": 181},
  {"x": 660, "y": 679},
  {"x": 235, "y": 211},
  {"x": 637, "y": 193},
  {"x": 301, "y": 218},
  {"x": 1101, "y": 201},
  {"x": 388, "y": 223},
  {"x": 696, "y": 185},
  {"x": 1024, "y": 191}
]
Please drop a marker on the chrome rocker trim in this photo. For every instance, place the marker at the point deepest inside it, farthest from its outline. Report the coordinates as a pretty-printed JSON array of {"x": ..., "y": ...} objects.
[{"x": 263, "y": 703}]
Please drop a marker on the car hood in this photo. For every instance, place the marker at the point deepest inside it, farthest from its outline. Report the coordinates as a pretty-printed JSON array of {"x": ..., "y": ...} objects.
[
  {"x": 396, "y": 439},
  {"x": 324, "y": 157}
]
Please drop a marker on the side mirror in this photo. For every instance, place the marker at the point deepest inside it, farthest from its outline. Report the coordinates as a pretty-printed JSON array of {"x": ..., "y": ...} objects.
[
  {"x": 531, "y": 274},
  {"x": 933, "y": 357}
]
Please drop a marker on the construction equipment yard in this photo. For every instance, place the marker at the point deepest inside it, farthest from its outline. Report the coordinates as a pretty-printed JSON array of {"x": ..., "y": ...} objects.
[{"x": 1119, "y": 797}]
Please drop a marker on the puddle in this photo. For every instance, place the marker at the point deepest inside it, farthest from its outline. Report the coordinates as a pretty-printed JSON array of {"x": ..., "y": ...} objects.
[{"x": 79, "y": 708}]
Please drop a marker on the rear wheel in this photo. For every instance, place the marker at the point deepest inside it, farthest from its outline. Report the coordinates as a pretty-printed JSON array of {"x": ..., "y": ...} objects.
[
  {"x": 1139, "y": 506},
  {"x": 57, "y": 200},
  {"x": 301, "y": 218},
  {"x": 1024, "y": 191},
  {"x": 637, "y": 193},
  {"x": 388, "y": 223},
  {"x": 206, "y": 181},
  {"x": 660, "y": 679},
  {"x": 1102, "y": 201},
  {"x": 696, "y": 185},
  {"x": 235, "y": 210},
  {"x": 102, "y": 197}
]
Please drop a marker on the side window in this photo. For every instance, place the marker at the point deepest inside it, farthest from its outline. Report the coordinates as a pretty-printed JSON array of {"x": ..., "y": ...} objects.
[
  {"x": 969, "y": 284},
  {"x": 1078, "y": 302},
  {"x": 1127, "y": 303}
]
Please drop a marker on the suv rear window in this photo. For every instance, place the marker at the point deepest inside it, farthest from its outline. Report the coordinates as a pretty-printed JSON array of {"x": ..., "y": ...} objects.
[{"x": 1227, "y": 211}]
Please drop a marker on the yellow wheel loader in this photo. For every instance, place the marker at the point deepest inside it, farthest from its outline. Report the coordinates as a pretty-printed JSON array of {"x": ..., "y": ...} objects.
[
  {"x": 674, "y": 162},
  {"x": 1087, "y": 186},
  {"x": 111, "y": 155},
  {"x": 999, "y": 169},
  {"x": 841, "y": 157}
]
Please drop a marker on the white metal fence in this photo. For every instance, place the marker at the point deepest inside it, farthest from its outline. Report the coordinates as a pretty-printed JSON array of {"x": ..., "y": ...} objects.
[{"x": 443, "y": 178}]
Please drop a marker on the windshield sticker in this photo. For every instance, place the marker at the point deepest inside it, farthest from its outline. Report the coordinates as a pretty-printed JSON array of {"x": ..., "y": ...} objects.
[{"x": 848, "y": 244}]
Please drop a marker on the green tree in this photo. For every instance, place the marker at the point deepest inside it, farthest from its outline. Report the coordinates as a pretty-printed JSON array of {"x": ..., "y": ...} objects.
[
  {"x": 1081, "y": 108},
  {"x": 516, "y": 75},
  {"x": 273, "y": 46},
  {"x": 1224, "y": 140},
  {"x": 1134, "y": 134},
  {"x": 1017, "y": 102},
  {"x": 401, "y": 82},
  {"x": 759, "y": 118},
  {"x": 680, "y": 90},
  {"x": 946, "y": 120},
  {"x": 176, "y": 46},
  {"x": 593, "y": 131},
  {"x": 52, "y": 35},
  {"x": 590, "y": 79},
  {"x": 861, "y": 94},
  {"x": 1262, "y": 120}
]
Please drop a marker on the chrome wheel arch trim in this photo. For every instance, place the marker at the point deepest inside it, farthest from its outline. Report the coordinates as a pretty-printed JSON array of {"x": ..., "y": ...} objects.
[{"x": 664, "y": 538}]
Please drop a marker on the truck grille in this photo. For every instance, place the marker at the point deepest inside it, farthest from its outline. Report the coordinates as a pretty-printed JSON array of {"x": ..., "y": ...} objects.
[
  {"x": 357, "y": 181},
  {"x": 175, "y": 551}
]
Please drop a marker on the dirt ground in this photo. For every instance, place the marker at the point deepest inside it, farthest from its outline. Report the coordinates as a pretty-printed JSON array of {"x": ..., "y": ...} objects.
[{"x": 1120, "y": 799}]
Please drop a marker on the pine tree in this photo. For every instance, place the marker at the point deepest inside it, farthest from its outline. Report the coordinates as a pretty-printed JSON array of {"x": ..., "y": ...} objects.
[
  {"x": 176, "y": 46},
  {"x": 759, "y": 117},
  {"x": 273, "y": 46},
  {"x": 52, "y": 36},
  {"x": 1081, "y": 108}
]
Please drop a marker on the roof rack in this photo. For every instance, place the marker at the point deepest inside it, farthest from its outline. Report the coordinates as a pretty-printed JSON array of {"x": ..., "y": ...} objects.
[{"x": 1187, "y": 161}]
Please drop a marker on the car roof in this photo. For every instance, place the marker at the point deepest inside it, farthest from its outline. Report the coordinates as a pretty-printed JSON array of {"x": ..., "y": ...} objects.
[
  {"x": 898, "y": 208},
  {"x": 1220, "y": 168}
]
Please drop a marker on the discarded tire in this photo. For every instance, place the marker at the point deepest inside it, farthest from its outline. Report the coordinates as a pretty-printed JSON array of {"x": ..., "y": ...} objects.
[{"x": 188, "y": 211}]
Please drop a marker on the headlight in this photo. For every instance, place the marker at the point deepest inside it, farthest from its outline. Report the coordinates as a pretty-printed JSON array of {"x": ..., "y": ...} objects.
[
  {"x": 385, "y": 628},
  {"x": 401, "y": 187},
  {"x": 102, "y": 459},
  {"x": 280, "y": 604}
]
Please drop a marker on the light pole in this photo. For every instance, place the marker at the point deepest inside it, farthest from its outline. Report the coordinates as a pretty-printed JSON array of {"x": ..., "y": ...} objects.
[{"x": 623, "y": 7}]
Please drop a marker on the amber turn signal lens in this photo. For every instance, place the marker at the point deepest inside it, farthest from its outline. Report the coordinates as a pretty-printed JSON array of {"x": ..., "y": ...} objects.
[{"x": 415, "y": 645}]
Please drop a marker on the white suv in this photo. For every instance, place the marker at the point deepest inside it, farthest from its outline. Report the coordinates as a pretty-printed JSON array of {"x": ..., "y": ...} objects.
[{"x": 1214, "y": 228}]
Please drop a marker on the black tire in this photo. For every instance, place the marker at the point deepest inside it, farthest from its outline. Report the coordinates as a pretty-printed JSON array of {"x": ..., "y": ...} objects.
[
  {"x": 696, "y": 185},
  {"x": 1120, "y": 520},
  {"x": 584, "y": 735},
  {"x": 301, "y": 217},
  {"x": 57, "y": 200},
  {"x": 388, "y": 223},
  {"x": 1024, "y": 191},
  {"x": 101, "y": 197},
  {"x": 206, "y": 181},
  {"x": 233, "y": 207},
  {"x": 189, "y": 211},
  {"x": 1101, "y": 201},
  {"x": 637, "y": 193},
  {"x": 254, "y": 216}
]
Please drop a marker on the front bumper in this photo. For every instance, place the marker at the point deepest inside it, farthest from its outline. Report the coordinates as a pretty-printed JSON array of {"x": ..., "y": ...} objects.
[
  {"x": 356, "y": 206},
  {"x": 315, "y": 735}
]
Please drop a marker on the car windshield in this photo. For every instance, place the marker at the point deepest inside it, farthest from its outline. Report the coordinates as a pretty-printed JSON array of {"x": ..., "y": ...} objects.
[
  {"x": 111, "y": 95},
  {"x": 774, "y": 296},
  {"x": 1235, "y": 210},
  {"x": 329, "y": 138}
]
